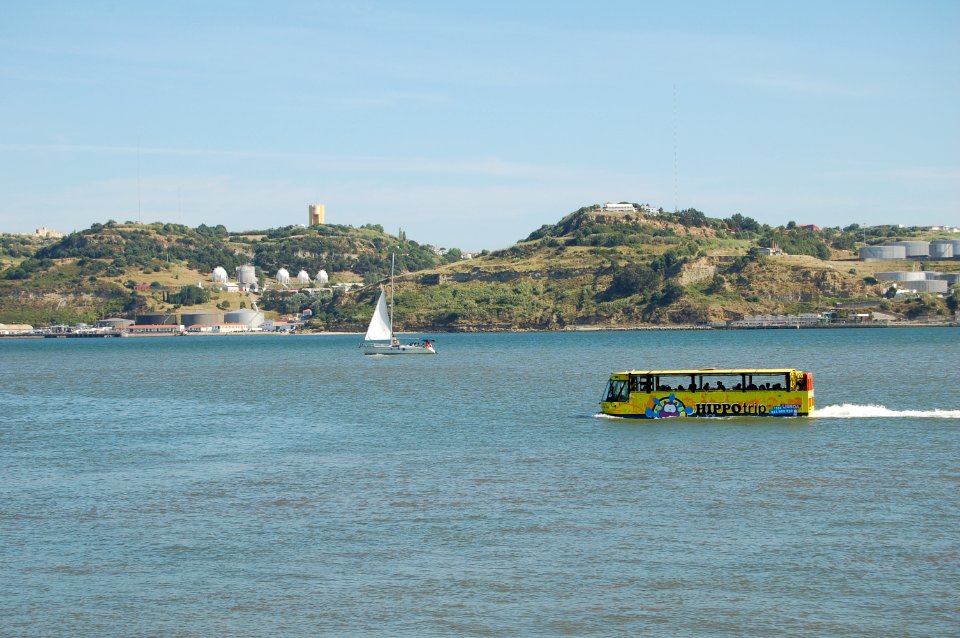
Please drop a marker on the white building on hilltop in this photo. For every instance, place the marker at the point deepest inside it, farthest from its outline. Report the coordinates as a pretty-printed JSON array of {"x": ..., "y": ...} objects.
[{"x": 619, "y": 208}]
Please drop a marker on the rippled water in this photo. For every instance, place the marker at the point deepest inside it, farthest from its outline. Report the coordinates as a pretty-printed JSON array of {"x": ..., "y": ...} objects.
[{"x": 264, "y": 486}]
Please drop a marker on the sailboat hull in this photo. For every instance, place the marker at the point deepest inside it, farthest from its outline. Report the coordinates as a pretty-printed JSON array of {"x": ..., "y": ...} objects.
[{"x": 403, "y": 348}]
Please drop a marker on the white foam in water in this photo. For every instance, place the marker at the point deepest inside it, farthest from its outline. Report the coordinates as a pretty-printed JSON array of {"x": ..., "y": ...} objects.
[
  {"x": 854, "y": 411},
  {"x": 601, "y": 415}
]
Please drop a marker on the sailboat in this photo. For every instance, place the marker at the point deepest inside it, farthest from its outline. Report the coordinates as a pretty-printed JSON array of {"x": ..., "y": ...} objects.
[{"x": 380, "y": 338}]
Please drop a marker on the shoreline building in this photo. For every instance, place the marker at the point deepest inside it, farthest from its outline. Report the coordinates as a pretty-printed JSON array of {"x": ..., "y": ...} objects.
[{"x": 317, "y": 213}]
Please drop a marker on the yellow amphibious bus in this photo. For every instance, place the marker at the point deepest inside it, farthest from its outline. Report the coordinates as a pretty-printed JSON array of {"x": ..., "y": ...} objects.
[{"x": 659, "y": 394}]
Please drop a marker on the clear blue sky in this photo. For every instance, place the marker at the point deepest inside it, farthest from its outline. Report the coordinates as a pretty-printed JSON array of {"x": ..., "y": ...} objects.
[{"x": 471, "y": 124}]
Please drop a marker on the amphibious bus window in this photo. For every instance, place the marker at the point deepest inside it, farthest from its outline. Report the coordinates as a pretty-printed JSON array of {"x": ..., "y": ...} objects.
[
  {"x": 641, "y": 383},
  {"x": 771, "y": 381},
  {"x": 616, "y": 390}
]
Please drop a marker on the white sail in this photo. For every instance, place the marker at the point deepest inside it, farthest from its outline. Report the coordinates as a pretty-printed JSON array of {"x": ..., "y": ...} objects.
[{"x": 379, "y": 329}]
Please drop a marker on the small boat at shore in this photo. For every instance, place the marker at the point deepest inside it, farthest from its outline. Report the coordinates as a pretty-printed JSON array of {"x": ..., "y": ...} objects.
[{"x": 660, "y": 394}]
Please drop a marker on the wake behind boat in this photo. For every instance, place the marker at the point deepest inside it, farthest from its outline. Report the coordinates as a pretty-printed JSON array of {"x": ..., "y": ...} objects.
[{"x": 380, "y": 338}]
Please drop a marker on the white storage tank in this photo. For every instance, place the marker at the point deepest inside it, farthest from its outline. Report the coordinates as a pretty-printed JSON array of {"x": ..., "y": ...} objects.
[
  {"x": 251, "y": 318},
  {"x": 941, "y": 249},
  {"x": 915, "y": 248},
  {"x": 283, "y": 276},
  {"x": 932, "y": 285},
  {"x": 303, "y": 277},
  {"x": 906, "y": 275},
  {"x": 219, "y": 275},
  {"x": 882, "y": 253},
  {"x": 246, "y": 274},
  {"x": 323, "y": 278}
]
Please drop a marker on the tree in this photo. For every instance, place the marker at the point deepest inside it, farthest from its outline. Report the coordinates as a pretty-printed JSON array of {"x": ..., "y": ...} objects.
[
  {"x": 738, "y": 222},
  {"x": 633, "y": 279},
  {"x": 717, "y": 285},
  {"x": 671, "y": 292}
]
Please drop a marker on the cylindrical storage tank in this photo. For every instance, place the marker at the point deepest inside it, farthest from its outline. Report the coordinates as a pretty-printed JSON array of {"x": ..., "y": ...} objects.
[
  {"x": 201, "y": 318},
  {"x": 932, "y": 285},
  {"x": 915, "y": 248},
  {"x": 219, "y": 274},
  {"x": 303, "y": 277},
  {"x": 246, "y": 274},
  {"x": 952, "y": 278},
  {"x": 941, "y": 249},
  {"x": 881, "y": 253},
  {"x": 956, "y": 247},
  {"x": 158, "y": 319},
  {"x": 323, "y": 278},
  {"x": 283, "y": 276},
  {"x": 250, "y": 318},
  {"x": 114, "y": 322},
  {"x": 907, "y": 275}
]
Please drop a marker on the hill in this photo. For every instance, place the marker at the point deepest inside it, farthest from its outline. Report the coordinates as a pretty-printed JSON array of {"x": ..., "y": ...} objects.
[
  {"x": 593, "y": 268},
  {"x": 101, "y": 271},
  {"x": 602, "y": 269}
]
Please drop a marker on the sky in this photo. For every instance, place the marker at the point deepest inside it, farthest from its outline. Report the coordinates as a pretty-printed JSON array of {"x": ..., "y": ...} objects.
[{"x": 471, "y": 124}]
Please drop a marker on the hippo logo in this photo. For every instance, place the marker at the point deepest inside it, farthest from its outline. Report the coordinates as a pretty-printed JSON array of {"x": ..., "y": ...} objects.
[{"x": 667, "y": 407}]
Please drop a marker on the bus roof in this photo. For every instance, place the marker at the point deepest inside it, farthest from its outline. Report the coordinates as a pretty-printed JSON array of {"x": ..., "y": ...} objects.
[{"x": 714, "y": 371}]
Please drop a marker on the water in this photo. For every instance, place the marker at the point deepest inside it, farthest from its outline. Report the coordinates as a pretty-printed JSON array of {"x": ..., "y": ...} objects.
[{"x": 265, "y": 486}]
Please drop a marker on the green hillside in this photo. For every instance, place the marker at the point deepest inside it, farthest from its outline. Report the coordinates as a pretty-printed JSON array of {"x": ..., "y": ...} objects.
[
  {"x": 600, "y": 269},
  {"x": 593, "y": 268},
  {"x": 92, "y": 273}
]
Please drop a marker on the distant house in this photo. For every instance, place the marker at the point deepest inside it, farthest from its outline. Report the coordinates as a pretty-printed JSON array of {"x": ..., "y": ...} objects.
[
  {"x": 48, "y": 233},
  {"x": 619, "y": 208},
  {"x": 773, "y": 251},
  {"x": 808, "y": 227}
]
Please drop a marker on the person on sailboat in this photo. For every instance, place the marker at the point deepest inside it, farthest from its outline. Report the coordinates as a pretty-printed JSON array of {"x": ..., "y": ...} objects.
[{"x": 394, "y": 341}]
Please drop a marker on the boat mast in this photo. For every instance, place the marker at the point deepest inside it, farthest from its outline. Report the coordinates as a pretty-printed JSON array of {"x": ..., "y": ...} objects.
[{"x": 393, "y": 260}]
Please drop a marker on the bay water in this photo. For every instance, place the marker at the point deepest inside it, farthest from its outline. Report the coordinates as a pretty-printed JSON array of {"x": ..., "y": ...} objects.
[{"x": 289, "y": 486}]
